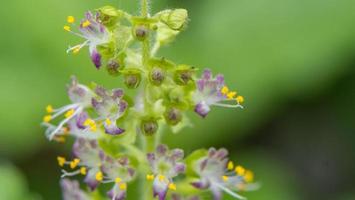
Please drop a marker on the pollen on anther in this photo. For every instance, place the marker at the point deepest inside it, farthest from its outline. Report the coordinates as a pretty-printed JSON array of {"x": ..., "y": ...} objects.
[
  {"x": 123, "y": 186},
  {"x": 230, "y": 165},
  {"x": 69, "y": 113},
  {"x": 67, "y": 28},
  {"x": 225, "y": 178},
  {"x": 161, "y": 177},
  {"x": 231, "y": 95},
  {"x": 61, "y": 161},
  {"x": 248, "y": 176},
  {"x": 150, "y": 177},
  {"x": 74, "y": 163},
  {"x": 239, "y": 170},
  {"x": 224, "y": 90},
  {"x": 108, "y": 121},
  {"x": 172, "y": 186},
  {"x": 240, "y": 99},
  {"x": 86, "y": 23},
  {"x": 70, "y": 19},
  {"x": 118, "y": 180},
  {"x": 83, "y": 170},
  {"x": 49, "y": 109},
  {"x": 99, "y": 176},
  {"x": 47, "y": 118}
]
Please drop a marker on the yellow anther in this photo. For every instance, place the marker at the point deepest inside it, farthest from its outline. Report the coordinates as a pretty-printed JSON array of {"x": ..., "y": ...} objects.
[
  {"x": 83, "y": 170},
  {"x": 74, "y": 163},
  {"x": 231, "y": 95},
  {"x": 249, "y": 176},
  {"x": 118, "y": 180},
  {"x": 49, "y": 109},
  {"x": 172, "y": 186},
  {"x": 91, "y": 123},
  {"x": 225, "y": 90},
  {"x": 86, "y": 23},
  {"x": 240, "y": 99},
  {"x": 230, "y": 165},
  {"x": 61, "y": 161},
  {"x": 67, "y": 28},
  {"x": 150, "y": 177},
  {"x": 47, "y": 118},
  {"x": 70, "y": 19},
  {"x": 60, "y": 139},
  {"x": 69, "y": 113},
  {"x": 225, "y": 178},
  {"x": 123, "y": 186},
  {"x": 108, "y": 121},
  {"x": 161, "y": 177},
  {"x": 239, "y": 170},
  {"x": 76, "y": 50},
  {"x": 99, "y": 176}
]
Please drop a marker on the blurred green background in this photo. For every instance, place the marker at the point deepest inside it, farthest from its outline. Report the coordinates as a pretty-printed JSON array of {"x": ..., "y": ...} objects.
[{"x": 293, "y": 60}]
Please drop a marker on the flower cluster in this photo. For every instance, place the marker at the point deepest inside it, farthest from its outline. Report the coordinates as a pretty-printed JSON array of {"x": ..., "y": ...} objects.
[{"x": 117, "y": 136}]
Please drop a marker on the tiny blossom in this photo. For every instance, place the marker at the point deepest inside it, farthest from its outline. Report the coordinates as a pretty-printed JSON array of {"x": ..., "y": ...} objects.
[
  {"x": 216, "y": 175},
  {"x": 165, "y": 166},
  {"x": 110, "y": 107},
  {"x": 80, "y": 96},
  {"x": 212, "y": 92},
  {"x": 94, "y": 33},
  {"x": 72, "y": 191},
  {"x": 119, "y": 172}
]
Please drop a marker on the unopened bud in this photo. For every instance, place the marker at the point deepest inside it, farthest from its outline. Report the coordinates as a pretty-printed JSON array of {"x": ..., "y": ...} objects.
[
  {"x": 157, "y": 76},
  {"x": 113, "y": 66},
  {"x": 184, "y": 76},
  {"x": 173, "y": 116},
  {"x": 141, "y": 32},
  {"x": 149, "y": 127},
  {"x": 109, "y": 15},
  {"x": 175, "y": 19},
  {"x": 132, "y": 78}
]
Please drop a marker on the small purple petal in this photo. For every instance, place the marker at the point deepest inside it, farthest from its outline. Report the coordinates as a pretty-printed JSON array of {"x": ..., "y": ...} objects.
[
  {"x": 113, "y": 129},
  {"x": 207, "y": 74},
  {"x": 151, "y": 157},
  {"x": 200, "y": 85},
  {"x": 202, "y": 109},
  {"x": 123, "y": 106},
  {"x": 80, "y": 119},
  {"x": 90, "y": 180},
  {"x": 117, "y": 93},
  {"x": 96, "y": 58},
  {"x": 220, "y": 79},
  {"x": 222, "y": 153},
  {"x": 177, "y": 154},
  {"x": 161, "y": 149},
  {"x": 179, "y": 168}
]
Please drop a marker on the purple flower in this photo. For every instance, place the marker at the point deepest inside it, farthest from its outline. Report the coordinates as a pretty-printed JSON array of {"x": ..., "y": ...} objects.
[
  {"x": 71, "y": 190},
  {"x": 94, "y": 33},
  {"x": 165, "y": 165},
  {"x": 80, "y": 96},
  {"x": 211, "y": 91},
  {"x": 218, "y": 175},
  {"x": 110, "y": 106}
]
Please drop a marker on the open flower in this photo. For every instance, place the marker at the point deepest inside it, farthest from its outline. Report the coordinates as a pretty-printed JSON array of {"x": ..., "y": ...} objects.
[
  {"x": 80, "y": 96},
  {"x": 211, "y": 91},
  {"x": 94, "y": 33},
  {"x": 71, "y": 190},
  {"x": 217, "y": 175},
  {"x": 119, "y": 172},
  {"x": 110, "y": 106},
  {"x": 165, "y": 165}
]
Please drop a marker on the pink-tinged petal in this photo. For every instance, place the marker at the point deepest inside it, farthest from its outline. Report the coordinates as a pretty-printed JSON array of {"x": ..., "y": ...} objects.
[
  {"x": 160, "y": 189},
  {"x": 90, "y": 179},
  {"x": 202, "y": 109},
  {"x": 96, "y": 58},
  {"x": 71, "y": 190}
]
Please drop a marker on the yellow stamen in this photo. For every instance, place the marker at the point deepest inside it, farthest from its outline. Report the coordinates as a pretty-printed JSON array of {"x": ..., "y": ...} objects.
[
  {"x": 123, "y": 186},
  {"x": 74, "y": 163},
  {"x": 69, "y": 113},
  {"x": 240, "y": 99},
  {"x": 230, "y": 165},
  {"x": 118, "y": 180},
  {"x": 99, "y": 176},
  {"x": 161, "y": 177},
  {"x": 67, "y": 28},
  {"x": 47, "y": 118},
  {"x": 60, "y": 139},
  {"x": 172, "y": 186},
  {"x": 49, "y": 109},
  {"x": 150, "y": 177},
  {"x": 83, "y": 170},
  {"x": 231, "y": 95},
  {"x": 70, "y": 19},
  {"x": 239, "y": 170},
  {"x": 249, "y": 176},
  {"x": 225, "y": 90},
  {"x": 108, "y": 122},
  {"x": 86, "y": 23},
  {"x": 91, "y": 123},
  {"x": 61, "y": 161},
  {"x": 225, "y": 178}
]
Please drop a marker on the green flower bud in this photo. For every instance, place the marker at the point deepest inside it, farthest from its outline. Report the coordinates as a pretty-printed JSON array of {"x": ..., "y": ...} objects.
[
  {"x": 132, "y": 78},
  {"x": 149, "y": 127},
  {"x": 141, "y": 32},
  {"x": 184, "y": 74},
  {"x": 173, "y": 116},
  {"x": 174, "y": 19},
  {"x": 113, "y": 66},
  {"x": 109, "y": 15},
  {"x": 157, "y": 76}
]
